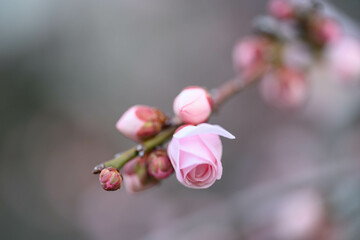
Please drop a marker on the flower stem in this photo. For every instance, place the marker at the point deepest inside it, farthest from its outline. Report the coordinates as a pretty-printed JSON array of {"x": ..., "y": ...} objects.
[
  {"x": 119, "y": 161},
  {"x": 221, "y": 94}
]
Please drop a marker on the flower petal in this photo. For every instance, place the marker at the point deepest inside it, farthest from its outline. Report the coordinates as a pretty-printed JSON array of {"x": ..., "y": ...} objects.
[{"x": 201, "y": 129}]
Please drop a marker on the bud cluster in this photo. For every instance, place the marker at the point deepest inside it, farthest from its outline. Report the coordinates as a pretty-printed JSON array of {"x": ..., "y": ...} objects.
[
  {"x": 287, "y": 43},
  {"x": 193, "y": 106}
]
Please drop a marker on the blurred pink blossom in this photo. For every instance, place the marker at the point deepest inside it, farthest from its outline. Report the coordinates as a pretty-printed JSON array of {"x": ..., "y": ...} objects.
[
  {"x": 326, "y": 30},
  {"x": 344, "y": 59},
  {"x": 281, "y": 9},
  {"x": 249, "y": 53},
  {"x": 284, "y": 88},
  {"x": 300, "y": 216}
]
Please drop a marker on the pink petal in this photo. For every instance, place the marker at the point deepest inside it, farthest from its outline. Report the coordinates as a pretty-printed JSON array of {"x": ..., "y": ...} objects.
[
  {"x": 201, "y": 129},
  {"x": 174, "y": 154},
  {"x": 214, "y": 145},
  {"x": 195, "y": 146},
  {"x": 188, "y": 159}
]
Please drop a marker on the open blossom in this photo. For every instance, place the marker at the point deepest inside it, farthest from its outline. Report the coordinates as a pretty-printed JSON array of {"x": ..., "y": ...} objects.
[
  {"x": 195, "y": 153},
  {"x": 344, "y": 59},
  {"x": 250, "y": 53},
  {"x": 141, "y": 122},
  {"x": 136, "y": 176},
  {"x": 284, "y": 88},
  {"x": 193, "y": 105},
  {"x": 159, "y": 164},
  {"x": 110, "y": 179},
  {"x": 281, "y": 9}
]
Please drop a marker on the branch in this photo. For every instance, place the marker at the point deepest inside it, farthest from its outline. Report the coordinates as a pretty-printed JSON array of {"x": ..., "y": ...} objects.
[
  {"x": 119, "y": 161},
  {"x": 219, "y": 96}
]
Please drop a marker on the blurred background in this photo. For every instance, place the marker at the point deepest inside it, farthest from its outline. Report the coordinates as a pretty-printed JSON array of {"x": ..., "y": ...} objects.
[{"x": 70, "y": 68}]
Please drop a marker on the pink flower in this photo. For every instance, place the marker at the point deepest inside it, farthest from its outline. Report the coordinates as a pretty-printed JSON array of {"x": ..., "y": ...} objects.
[
  {"x": 250, "y": 53},
  {"x": 300, "y": 215},
  {"x": 110, "y": 179},
  {"x": 141, "y": 122},
  {"x": 281, "y": 9},
  {"x": 195, "y": 153},
  {"x": 284, "y": 88},
  {"x": 159, "y": 164},
  {"x": 344, "y": 59},
  {"x": 136, "y": 177},
  {"x": 326, "y": 30},
  {"x": 193, "y": 105}
]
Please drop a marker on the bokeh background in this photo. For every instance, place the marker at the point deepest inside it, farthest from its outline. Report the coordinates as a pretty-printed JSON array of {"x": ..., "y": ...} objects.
[{"x": 69, "y": 68}]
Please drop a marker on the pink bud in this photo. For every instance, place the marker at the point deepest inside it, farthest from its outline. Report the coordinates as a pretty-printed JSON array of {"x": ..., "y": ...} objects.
[
  {"x": 281, "y": 9},
  {"x": 159, "y": 164},
  {"x": 250, "y": 53},
  {"x": 110, "y": 179},
  {"x": 193, "y": 105},
  {"x": 284, "y": 88},
  {"x": 136, "y": 176},
  {"x": 141, "y": 122},
  {"x": 195, "y": 153},
  {"x": 325, "y": 30},
  {"x": 344, "y": 59}
]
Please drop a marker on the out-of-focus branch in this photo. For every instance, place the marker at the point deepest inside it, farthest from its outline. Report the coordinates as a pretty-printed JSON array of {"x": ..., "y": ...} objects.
[{"x": 221, "y": 94}]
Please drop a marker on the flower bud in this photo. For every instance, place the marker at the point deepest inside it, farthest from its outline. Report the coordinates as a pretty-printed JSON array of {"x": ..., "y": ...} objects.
[
  {"x": 325, "y": 30},
  {"x": 344, "y": 59},
  {"x": 136, "y": 176},
  {"x": 159, "y": 164},
  {"x": 195, "y": 153},
  {"x": 141, "y": 122},
  {"x": 110, "y": 179},
  {"x": 250, "y": 53},
  {"x": 281, "y": 9},
  {"x": 284, "y": 88},
  {"x": 193, "y": 105}
]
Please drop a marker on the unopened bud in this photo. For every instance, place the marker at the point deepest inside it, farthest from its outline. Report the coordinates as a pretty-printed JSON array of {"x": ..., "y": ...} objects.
[
  {"x": 193, "y": 105},
  {"x": 110, "y": 179},
  {"x": 141, "y": 122},
  {"x": 136, "y": 176},
  {"x": 159, "y": 164}
]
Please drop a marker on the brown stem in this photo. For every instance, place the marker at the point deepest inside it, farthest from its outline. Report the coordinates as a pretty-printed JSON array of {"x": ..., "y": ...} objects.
[{"x": 221, "y": 94}]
